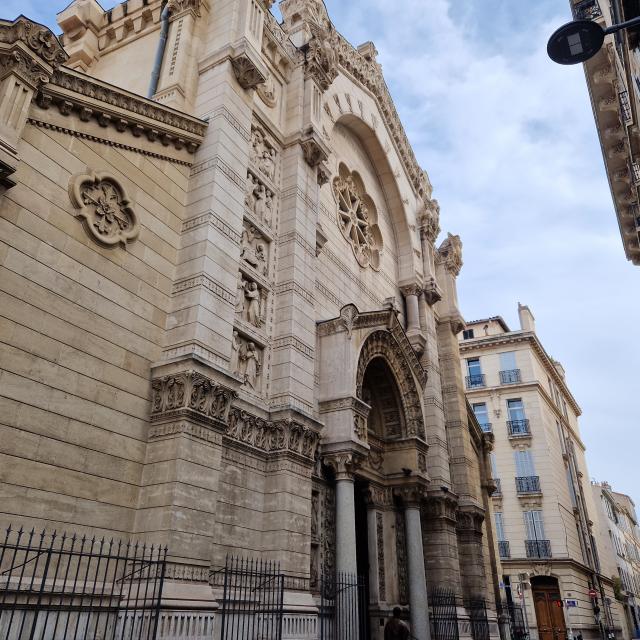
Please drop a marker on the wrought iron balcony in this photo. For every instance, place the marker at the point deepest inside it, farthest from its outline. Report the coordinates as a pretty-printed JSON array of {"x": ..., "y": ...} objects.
[
  {"x": 510, "y": 377},
  {"x": 518, "y": 428},
  {"x": 538, "y": 548},
  {"x": 504, "y": 549},
  {"x": 476, "y": 381},
  {"x": 625, "y": 106},
  {"x": 498, "y": 491},
  {"x": 587, "y": 10},
  {"x": 487, "y": 427},
  {"x": 528, "y": 484}
]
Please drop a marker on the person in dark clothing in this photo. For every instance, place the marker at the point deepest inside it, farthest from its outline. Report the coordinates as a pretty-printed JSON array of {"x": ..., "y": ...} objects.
[{"x": 396, "y": 629}]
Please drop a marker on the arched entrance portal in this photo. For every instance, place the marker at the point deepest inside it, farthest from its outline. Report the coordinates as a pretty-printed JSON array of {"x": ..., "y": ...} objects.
[
  {"x": 547, "y": 601},
  {"x": 386, "y": 422}
]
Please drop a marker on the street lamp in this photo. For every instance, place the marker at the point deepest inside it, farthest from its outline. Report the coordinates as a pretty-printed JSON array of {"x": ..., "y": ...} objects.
[{"x": 580, "y": 40}]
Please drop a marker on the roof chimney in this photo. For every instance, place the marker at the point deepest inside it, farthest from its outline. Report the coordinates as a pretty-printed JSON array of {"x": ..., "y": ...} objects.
[{"x": 527, "y": 320}]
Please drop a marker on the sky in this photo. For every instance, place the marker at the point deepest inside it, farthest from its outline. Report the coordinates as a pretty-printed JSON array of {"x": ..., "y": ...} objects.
[{"x": 509, "y": 142}]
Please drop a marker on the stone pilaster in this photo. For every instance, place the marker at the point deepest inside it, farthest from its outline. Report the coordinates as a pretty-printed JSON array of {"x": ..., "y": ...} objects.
[
  {"x": 470, "y": 538},
  {"x": 29, "y": 55}
]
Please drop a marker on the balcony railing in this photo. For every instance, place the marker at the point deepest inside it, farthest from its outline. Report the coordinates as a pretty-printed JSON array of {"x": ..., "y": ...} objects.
[
  {"x": 476, "y": 381},
  {"x": 504, "y": 549},
  {"x": 510, "y": 377},
  {"x": 518, "y": 427},
  {"x": 498, "y": 491},
  {"x": 528, "y": 484},
  {"x": 538, "y": 548},
  {"x": 487, "y": 427},
  {"x": 625, "y": 106},
  {"x": 587, "y": 10}
]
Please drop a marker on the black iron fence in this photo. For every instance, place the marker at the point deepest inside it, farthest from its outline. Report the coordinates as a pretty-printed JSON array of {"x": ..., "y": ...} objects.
[
  {"x": 61, "y": 587},
  {"x": 475, "y": 381},
  {"x": 252, "y": 600},
  {"x": 344, "y": 612},
  {"x": 517, "y": 625},
  {"x": 445, "y": 605}
]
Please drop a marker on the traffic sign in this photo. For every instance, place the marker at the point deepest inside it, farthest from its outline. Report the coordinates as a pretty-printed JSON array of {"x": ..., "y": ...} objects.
[
  {"x": 593, "y": 593},
  {"x": 575, "y": 42},
  {"x": 571, "y": 604}
]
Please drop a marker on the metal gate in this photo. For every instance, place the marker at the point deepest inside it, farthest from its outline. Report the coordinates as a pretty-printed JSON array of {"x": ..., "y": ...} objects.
[
  {"x": 60, "y": 587},
  {"x": 344, "y": 608},
  {"x": 479, "y": 619},
  {"x": 444, "y": 615},
  {"x": 516, "y": 622},
  {"x": 252, "y": 601}
]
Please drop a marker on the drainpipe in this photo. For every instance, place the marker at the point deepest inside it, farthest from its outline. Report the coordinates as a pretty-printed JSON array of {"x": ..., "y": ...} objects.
[{"x": 162, "y": 45}]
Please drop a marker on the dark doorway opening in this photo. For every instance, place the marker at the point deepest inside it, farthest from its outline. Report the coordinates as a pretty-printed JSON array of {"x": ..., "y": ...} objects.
[{"x": 547, "y": 601}]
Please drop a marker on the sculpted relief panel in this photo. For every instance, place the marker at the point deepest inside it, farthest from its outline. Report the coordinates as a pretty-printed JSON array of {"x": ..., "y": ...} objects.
[
  {"x": 246, "y": 361},
  {"x": 255, "y": 249}
]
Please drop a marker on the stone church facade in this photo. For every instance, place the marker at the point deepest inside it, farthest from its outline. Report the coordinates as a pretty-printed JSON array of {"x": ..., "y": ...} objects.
[{"x": 226, "y": 325}]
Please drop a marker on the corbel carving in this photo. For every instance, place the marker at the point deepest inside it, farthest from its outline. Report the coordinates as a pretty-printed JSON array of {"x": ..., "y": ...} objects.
[
  {"x": 314, "y": 151},
  {"x": 321, "y": 57},
  {"x": 432, "y": 291},
  {"x": 246, "y": 72}
]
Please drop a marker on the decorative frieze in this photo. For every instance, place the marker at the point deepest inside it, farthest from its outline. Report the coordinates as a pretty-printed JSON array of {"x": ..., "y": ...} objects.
[
  {"x": 272, "y": 436},
  {"x": 104, "y": 207},
  {"x": 200, "y": 432},
  {"x": 206, "y": 282},
  {"x": 401, "y": 558},
  {"x": 382, "y": 580},
  {"x": 190, "y": 393}
]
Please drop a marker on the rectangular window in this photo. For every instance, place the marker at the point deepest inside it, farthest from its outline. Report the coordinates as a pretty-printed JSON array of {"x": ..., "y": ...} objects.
[
  {"x": 524, "y": 464},
  {"x": 467, "y": 334},
  {"x": 563, "y": 444},
  {"x": 508, "y": 361},
  {"x": 515, "y": 409},
  {"x": 494, "y": 467},
  {"x": 500, "y": 527},
  {"x": 534, "y": 525},
  {"x": 473, "y": 367},
  {"x": 572, "y": 490},
  {"x": 481, "y": 413}
]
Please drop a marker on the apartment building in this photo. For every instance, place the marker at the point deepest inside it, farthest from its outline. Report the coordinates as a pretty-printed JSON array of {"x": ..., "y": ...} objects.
[
  {"x": 618, "y": 539},
  {"x": 543, "y": 505}
]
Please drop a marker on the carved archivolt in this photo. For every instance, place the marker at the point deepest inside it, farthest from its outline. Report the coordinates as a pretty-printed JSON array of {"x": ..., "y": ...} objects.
[
  {"x": 105, "y": 208},
  {"x": 381, "y": 344},
  {"x": 358, "y": 218}
]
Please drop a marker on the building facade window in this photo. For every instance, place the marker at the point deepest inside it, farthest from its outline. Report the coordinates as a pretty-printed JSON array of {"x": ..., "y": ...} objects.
[
  {"x": 509, "y": 372},
  {"x": 467, "y": 334},
  {"x": 516, "y": 419},
  {"x": 537, "y": 546},
  {"x": 482, "y": 414},
  {"x": 475, "y": 377}
]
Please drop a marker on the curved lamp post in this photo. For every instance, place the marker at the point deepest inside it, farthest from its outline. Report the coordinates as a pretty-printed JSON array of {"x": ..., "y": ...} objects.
[{"x": 580, "y": 40}]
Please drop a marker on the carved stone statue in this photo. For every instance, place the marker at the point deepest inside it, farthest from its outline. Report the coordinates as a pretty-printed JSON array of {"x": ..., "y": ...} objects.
[
  {"x": 248, "y": 253},
  {"x": 268, "y": 208},
  {"x": 251, "y": 365},
  {"x": 260, "y": 204},
  {"x": 268, "y": 163},
  {"x": 235, "y": 352},
  {"x": 261, "y": 257},
  {"x": 250, "y": 195},
  {"x": 240, "y": 294},
  {"x": 252, "y": 306}
]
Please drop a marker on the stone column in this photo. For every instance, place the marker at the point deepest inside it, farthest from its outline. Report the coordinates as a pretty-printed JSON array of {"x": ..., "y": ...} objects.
[
  {"x": 418, "y": 602},
  {"x": 343, "y": 467},
  {"x": 372, "y": 539},
  {"x": 411, "y": 294}
]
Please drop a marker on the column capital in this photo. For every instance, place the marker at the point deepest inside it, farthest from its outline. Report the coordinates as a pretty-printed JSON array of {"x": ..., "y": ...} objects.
[
  {"x": 411, "y": 495},
  {"x": 442, "y": 506},
  {"x": 411, "y": 289},
  {"x": 344, "y": 464}
]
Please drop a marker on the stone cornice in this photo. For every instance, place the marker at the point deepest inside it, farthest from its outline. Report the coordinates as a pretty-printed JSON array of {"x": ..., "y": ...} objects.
[
  {"x": 519, "y": 337},
  {"x": 74, "y": 92},
  {"x": 34, "y": 37}
]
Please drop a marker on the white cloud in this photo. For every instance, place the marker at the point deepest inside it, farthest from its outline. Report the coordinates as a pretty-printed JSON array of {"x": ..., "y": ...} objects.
[{"x": 509, "y": 141}]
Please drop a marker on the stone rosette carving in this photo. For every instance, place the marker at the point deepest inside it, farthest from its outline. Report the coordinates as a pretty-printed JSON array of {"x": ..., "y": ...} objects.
[
  {"x": 105, "y": 208},
  {"x": 190, "y": 392},
  {"x": 271, "y": 436},
  {"x": 358, "y": 218},
  {"x": 450, "y": 254}
]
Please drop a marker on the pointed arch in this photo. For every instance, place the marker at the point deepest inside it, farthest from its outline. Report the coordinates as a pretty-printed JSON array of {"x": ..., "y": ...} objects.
[{"x": 382, "y": 345}]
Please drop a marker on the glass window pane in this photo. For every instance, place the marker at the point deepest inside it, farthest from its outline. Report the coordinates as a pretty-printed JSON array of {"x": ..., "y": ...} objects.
[
  {"x": 515, "y": 409},
  {"x": 473, "y": 367},
  {"x": 508, "y": 361}
]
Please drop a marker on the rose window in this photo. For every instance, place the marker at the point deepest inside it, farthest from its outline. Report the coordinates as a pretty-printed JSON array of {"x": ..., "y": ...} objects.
[{"x": 358, "y": 218}]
